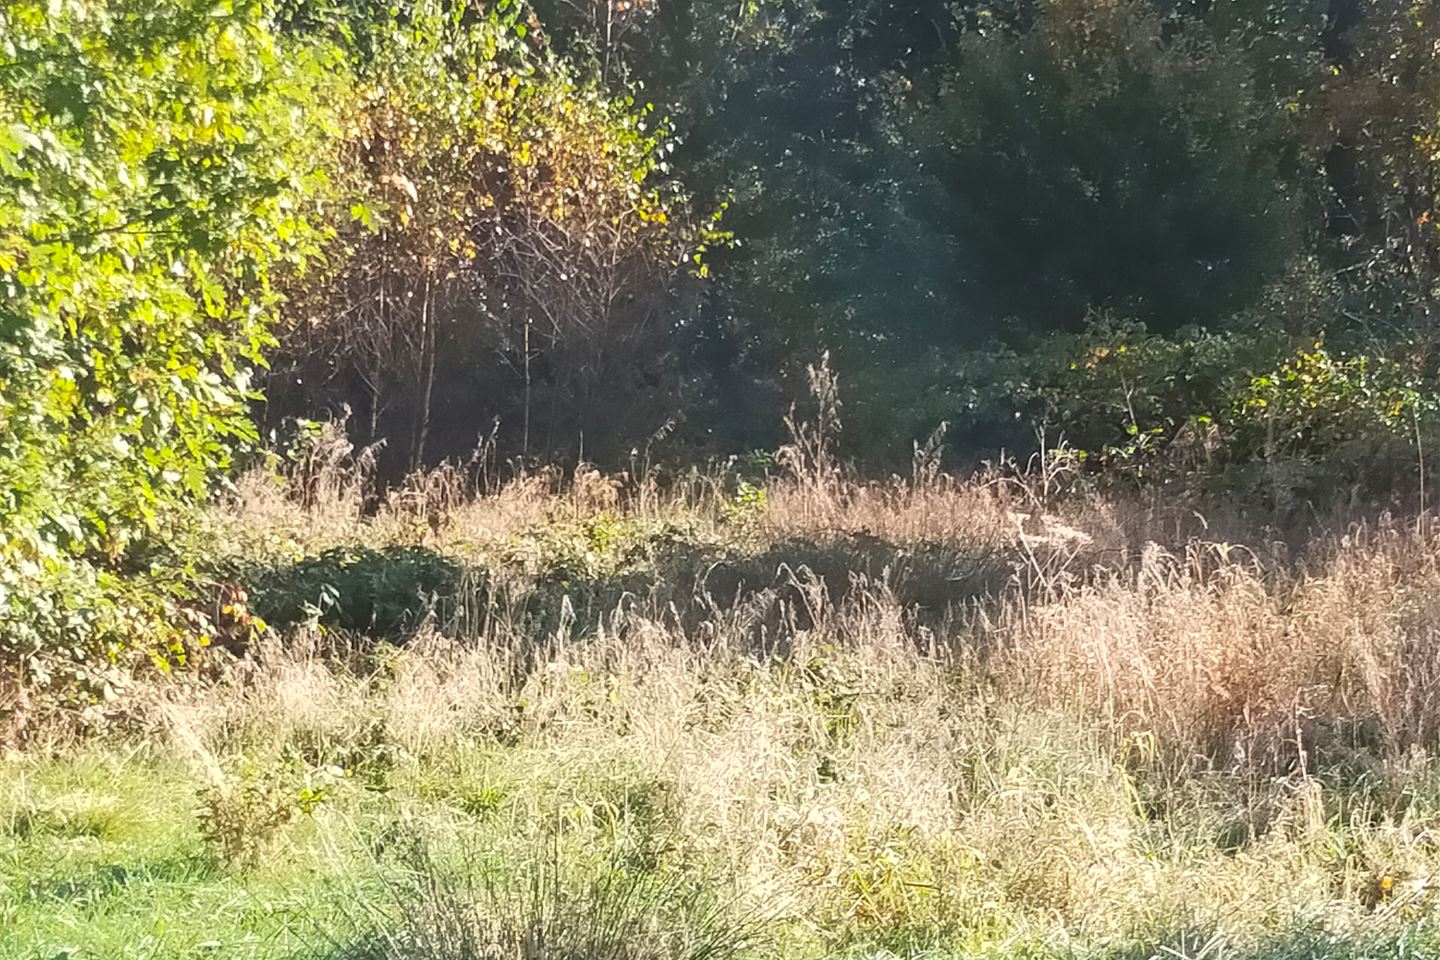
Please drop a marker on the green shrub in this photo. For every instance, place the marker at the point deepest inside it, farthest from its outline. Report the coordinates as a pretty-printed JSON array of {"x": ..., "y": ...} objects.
[
  {"x": 241, "y": 815},
  {"x": 71, "y": 628},
  {"x": 380, "y": 592},
  {"x": 1250, "y": 411}
]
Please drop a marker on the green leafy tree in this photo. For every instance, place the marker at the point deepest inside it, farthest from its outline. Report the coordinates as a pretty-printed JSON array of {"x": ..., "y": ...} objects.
[
  {"x": 1093, "y": 162},
  {"x": 160, "y": 162}
]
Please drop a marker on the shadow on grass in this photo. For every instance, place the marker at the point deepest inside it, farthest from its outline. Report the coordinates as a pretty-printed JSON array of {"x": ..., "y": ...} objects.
[
  {"x": 379, "y": 593},
  {"x": 387, "y": 594},
  {"x": 761, "y": 599},
  {"x": 92, "y": 884},
  {"x": 928, "y": 578}
]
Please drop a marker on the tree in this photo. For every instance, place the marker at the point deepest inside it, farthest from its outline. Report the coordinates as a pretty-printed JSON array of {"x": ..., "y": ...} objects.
[
  {"x": 1096, "y": 163},
  {"x": 1378, "y": 130},
  {"x": 515, "y": 251},
  {"x": 158, "y": 165}
]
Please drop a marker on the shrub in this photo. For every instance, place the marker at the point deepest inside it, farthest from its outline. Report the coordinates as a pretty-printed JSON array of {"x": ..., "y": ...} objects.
[
  {"x": 512, "y": 248},
  {"x": 546, "y": 906},
  {"x": 241, "y": 815},
  {"x": 70, "y": 629},
  {"x": 380, "y": 592},
  {"x": 1255, "y": 413}
]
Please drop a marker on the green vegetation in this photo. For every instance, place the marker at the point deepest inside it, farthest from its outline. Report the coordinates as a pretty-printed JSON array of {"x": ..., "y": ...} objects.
[
  {"x": 922, "y": 719},
  {"x": 418, "y": 540},
  {"x": 157, "y": 168}
]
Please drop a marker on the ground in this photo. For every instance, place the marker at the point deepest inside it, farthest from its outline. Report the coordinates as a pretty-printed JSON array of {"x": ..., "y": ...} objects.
[{"x": 700, "y": 719}]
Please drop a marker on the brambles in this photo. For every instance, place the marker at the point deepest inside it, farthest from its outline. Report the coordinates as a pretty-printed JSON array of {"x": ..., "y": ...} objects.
[
  {"x": 241, "y": 815},
  {"x": 1249, "y": 414}
]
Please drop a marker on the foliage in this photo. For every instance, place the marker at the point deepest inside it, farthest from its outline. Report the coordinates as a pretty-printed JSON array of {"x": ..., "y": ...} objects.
[
  {"x": 241, "y": 815},
  {"x": 1124, "y": 169},
  {"x": 747, "y": 506},
  {"x": 921, "y": 178},
  {"x": 381, "y": 592},
  {"x": 1208, "y": 406},
  {"x": 57, "y": 616},
  {"x": 507, "y": 215},
  {"x": 1381, "y": 129},
  {"x": 600, "y": 547},
  {"x": 1318, "y": 401},
  {"x": 159, "y": 163}
]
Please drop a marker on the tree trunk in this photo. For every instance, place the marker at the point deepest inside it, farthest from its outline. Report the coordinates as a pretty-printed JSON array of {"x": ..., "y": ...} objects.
[
  {"x": 525, "y": 443},
  {"x": 427, "y": 377}
]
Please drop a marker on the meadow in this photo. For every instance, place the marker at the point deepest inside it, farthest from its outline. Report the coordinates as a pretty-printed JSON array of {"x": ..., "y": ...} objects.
[
  {"x": 697, "y": 718},
  {"x": 288, "y": 673}
]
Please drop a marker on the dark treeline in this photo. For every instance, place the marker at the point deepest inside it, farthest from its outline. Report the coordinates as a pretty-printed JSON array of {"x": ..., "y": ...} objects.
[{"x": 959, "y": 200}]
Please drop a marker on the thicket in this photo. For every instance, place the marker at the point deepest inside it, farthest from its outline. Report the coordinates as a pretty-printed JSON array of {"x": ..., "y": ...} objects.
[
  {"x": 517, "y": 253},
  {"x": 400, "y": 199},
  {"x": 941, "y": 189},
  {"x": 1190, "y": 244},
  {"x": 953, "y": 198}
]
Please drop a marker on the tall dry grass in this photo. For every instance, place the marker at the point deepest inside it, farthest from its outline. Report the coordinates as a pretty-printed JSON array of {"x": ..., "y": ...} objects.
[
  {"x": 915, "y": 713},
  {"x": 1199, "y": 741},
  {"x": 1214, "y": 660},
  {"x": 1183, "y": 652}
]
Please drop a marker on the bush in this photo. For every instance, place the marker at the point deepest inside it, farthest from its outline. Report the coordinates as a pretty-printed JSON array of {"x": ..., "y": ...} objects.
[
  {"x": 241, "y": 815},
  {"x": 1250, "y": 411},
  {"x": 548, "y": 906},
  {"x": 380, "y": 592},
  {"x": 72, "y": 629},
  {"x": 1102, "y": 158},
  {"x": 512, "y": 249}
]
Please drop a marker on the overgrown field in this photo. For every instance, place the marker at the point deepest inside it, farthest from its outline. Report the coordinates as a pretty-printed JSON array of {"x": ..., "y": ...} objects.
[
  {"x": 606, "y": 719},
  {"x": 320, "y": 637}
]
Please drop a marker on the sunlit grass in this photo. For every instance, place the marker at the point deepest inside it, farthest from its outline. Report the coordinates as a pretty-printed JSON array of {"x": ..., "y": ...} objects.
[
  {"x": 100, "y": 856},
  {"x": 1176, "y": 752}
]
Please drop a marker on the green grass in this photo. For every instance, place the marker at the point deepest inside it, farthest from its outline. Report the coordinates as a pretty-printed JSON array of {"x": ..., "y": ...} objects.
[
  {"x": 101, "y": 856},
  {"x": 676, "y": 738}
]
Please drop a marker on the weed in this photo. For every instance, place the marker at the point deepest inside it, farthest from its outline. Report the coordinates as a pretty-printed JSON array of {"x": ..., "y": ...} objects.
[
  {"x": 546, "y": 906},
  {"x": 241, "y": 815}
]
